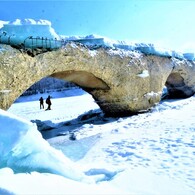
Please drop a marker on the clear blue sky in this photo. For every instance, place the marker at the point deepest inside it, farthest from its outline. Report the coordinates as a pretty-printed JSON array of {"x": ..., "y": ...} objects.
[{"x": 170, "y": 23}]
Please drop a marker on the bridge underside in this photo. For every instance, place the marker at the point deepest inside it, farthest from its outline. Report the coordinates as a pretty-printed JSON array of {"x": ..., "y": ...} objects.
[{"x": 83, "y": 79}]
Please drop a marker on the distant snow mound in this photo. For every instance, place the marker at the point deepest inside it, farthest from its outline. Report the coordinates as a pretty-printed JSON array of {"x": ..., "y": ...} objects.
[
  {"x": 29, "y": 21},
  {"x": 23, "y": 28},
  {"x": 2, "y": 23}
]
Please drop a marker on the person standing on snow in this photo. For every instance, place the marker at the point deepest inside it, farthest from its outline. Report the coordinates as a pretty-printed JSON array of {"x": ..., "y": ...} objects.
[
  {"x": 41, "y": 103},
  {"x": 48, "y": 102}
]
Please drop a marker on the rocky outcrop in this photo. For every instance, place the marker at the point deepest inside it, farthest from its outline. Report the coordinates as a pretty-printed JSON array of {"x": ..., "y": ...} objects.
[{"x": 121, "y": 82}]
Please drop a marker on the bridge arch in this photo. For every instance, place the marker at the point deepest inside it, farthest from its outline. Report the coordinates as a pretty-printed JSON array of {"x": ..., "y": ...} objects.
[
  {"x": 94, "y": 71},
  {"x": 176, "y": 87},
  {"x": 121, "y": 82},
  {"x": 180, "y": 82},
  {"x": 85, "y": 80}
]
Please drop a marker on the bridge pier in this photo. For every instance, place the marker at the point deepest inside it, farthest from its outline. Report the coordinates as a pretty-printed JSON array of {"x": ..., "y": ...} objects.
[{"x": 4, "y": 98}]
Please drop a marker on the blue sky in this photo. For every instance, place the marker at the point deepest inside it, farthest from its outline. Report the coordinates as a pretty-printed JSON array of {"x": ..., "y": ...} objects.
[{"x": 169, "y": 23}]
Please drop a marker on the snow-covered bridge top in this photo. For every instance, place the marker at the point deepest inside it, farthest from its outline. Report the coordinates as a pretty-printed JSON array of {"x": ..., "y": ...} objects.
[{"x": 29, "y": 33}]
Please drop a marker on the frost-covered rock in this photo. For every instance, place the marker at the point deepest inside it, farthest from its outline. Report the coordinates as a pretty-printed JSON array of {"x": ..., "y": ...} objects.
[
  {"x": 118, "y": 74},
  {"x": 117, "y": 79}
]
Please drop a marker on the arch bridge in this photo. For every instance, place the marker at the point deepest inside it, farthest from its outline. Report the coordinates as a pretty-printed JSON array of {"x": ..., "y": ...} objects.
[{"x": 121, "y": 82}]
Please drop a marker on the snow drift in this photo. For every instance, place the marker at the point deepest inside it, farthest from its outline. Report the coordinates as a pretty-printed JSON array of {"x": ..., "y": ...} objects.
[
  {"x": 23, "y": 149},
  {"x": 20, "y": 32},
  {"x": 146, "y": 150}
]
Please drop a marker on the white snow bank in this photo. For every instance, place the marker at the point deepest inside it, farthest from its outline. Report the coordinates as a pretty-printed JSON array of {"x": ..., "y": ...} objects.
[
  {"x": 29, "y": 27},
  {"x": 143, "y": 181},
  {"x": 146, "y": 48},
  {"x": 3, "y": 22},
  {"x": 17, "y": 32},
  {"x": 36, "y": 183},
  {"x": 29, "y": 21},
  {"x": 154, "y": 150},
  {"x": 128, "y": 182},
  {"x": 23, "y": 149}
]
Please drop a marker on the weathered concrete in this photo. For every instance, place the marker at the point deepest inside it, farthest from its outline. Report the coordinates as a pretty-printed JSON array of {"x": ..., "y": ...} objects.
[{"x": 115, "y": 78}]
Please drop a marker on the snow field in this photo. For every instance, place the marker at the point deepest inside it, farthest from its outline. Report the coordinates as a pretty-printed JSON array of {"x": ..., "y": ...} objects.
[{"x": 154, "y": 150}]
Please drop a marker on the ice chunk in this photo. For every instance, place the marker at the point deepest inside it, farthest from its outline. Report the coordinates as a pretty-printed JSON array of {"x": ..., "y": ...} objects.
[
  {"x": 189, "y": 56},
  {"x": 23, "y": 149}
]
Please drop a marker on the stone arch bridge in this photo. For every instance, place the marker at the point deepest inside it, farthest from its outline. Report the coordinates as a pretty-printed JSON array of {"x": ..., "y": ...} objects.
[{"x": 121, "y": 82}]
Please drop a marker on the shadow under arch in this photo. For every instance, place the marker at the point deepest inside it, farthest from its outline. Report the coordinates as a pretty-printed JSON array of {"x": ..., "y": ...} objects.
[
  {"x": 83, "y": 79},
  {"x": 176, "y": 87}
]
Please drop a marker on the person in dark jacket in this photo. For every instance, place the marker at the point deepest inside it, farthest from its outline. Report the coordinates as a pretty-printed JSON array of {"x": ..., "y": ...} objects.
[
  {"x": 41, "y": 103},
  {"x": 48, "y": 102}
]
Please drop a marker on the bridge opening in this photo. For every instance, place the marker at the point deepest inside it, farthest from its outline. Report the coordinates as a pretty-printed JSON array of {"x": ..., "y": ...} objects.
[
  {"x": 72, "y": 109},
  {"x": 47, "y": 85},
  {"x": 57, "y": 88},
  {"x": 175, "y": 87},
  {"x": 70, "y": 102}
]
